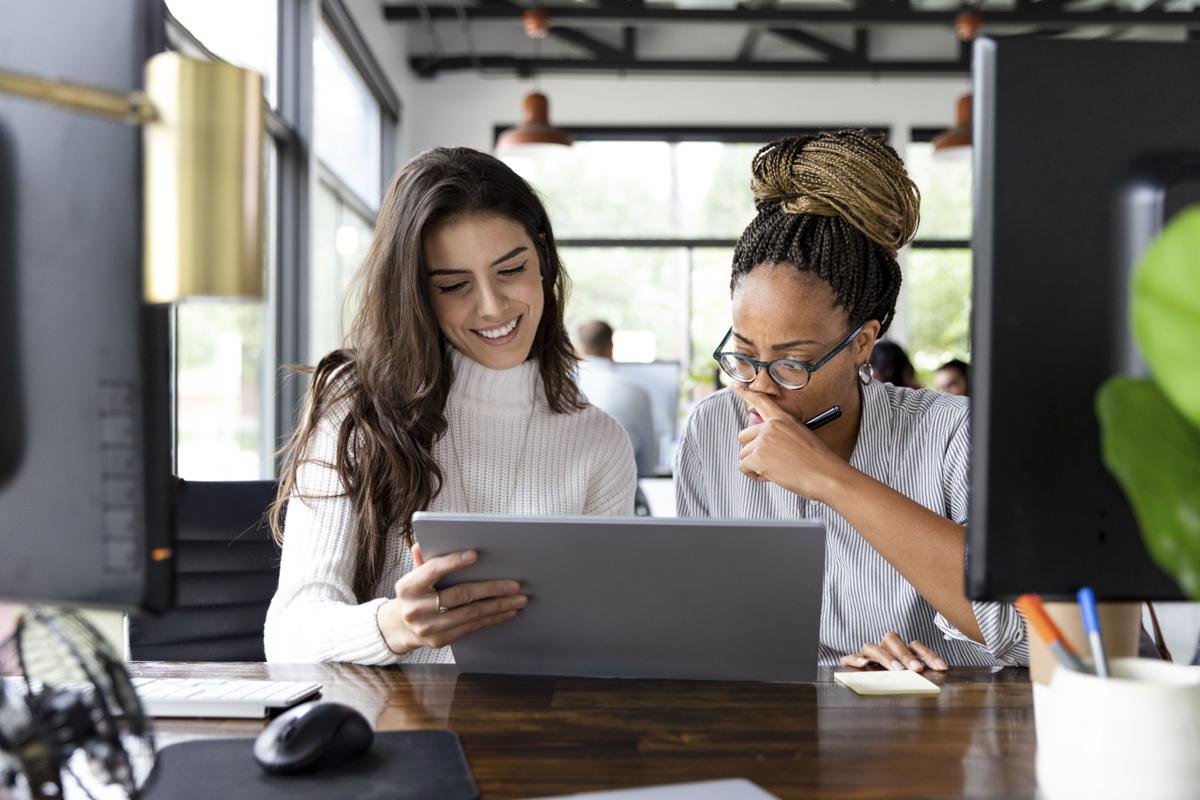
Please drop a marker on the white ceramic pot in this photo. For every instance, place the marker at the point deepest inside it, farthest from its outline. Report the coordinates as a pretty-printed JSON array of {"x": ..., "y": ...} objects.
[{"x": 1134, "y": 735}]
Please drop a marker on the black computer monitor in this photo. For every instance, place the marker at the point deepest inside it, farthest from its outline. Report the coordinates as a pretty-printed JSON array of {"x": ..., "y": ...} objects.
[
  {"x": 85, "y": 430},
  {"x": 1082, "y": 150}
]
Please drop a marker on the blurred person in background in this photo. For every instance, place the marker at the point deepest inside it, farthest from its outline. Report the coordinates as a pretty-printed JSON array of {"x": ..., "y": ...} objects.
[
  {"x": 625, "y": 401},
  {"x": 952, "y": 378},
  {"x": 890, "y": 364}
]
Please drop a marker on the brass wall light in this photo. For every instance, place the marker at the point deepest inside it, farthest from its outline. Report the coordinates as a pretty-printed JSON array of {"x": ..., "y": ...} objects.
[{"x": 203, "y": 126}]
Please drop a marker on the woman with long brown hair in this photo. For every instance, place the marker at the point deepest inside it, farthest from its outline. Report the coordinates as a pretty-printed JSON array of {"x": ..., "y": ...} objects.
[{"x": 454, "y": 393}]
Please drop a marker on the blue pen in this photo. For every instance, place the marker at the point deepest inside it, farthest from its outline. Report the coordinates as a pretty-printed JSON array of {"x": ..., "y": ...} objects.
[{"x": 1091, "y": 624}]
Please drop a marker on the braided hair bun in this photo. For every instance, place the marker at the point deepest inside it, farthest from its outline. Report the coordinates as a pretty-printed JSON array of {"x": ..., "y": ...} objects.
[
  {"x": 840, "y": 205},
  {"x": 848, "y": 174}
]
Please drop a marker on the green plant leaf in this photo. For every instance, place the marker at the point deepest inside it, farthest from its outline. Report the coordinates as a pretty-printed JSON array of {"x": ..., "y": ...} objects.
[
  {"x": 1155, "y": 454},
  {"x": 1166, "y": 311}
]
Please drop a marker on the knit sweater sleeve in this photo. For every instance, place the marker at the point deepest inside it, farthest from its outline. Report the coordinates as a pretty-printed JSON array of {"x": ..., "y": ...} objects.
[
  {"x": 613, "y": 481},
  {"x": 314, "y": 615}
]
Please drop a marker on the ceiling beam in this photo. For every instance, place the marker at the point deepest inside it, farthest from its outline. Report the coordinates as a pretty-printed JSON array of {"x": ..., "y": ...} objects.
[
  {"x": 749, "y": 44},
  {"x": 832, "y": 52},
  {"x": 629, "y": 41},
  {"x": 869, "y": 14},
  {"x": 430, "y": 66},
  {"x": 750, "y": 40},
  {"x": 598, "y": 48},
  {"x": 602, "y": 51}
]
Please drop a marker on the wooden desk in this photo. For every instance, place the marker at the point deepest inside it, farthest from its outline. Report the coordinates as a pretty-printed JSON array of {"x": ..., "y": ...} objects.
[{"x": 529, "y": 737}]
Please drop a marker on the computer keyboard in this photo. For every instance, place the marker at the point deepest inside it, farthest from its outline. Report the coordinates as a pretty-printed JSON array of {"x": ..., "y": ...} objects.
[
  {"x": 213, "y": 697},
  {"x": 217, "y": 697}
]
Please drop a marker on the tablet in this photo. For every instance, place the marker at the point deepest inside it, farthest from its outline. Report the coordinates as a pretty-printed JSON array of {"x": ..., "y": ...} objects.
[{"x": 642, "y": 597}]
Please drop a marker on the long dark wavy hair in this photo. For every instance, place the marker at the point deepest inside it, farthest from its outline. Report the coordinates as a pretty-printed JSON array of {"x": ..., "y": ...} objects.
[{"x": 394, "y": 374}]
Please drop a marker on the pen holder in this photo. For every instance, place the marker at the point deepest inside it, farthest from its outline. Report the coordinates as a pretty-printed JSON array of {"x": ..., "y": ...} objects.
[
  {"x": 1135, "y": 734},
  {"x": 1121, "y": 623}
]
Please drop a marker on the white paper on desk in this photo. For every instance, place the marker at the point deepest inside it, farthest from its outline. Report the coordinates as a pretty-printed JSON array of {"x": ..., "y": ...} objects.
[
  {"x": 887, "y": 682},
  {"x": 733, "y": 789}
]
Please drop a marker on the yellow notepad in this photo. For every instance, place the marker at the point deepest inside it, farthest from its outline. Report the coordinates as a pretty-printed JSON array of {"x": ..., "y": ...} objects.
[{"x": 887, "y": 682}]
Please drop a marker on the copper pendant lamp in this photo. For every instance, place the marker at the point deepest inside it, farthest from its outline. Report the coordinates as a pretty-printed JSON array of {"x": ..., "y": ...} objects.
[
  {"x": 957, "y": 138},
  {"x": 535, "y": 131},
  {"x": 535, "y": 127}
]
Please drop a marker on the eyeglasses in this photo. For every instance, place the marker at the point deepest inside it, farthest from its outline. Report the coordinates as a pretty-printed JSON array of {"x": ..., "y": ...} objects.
[{"x": 790, "y": 373}]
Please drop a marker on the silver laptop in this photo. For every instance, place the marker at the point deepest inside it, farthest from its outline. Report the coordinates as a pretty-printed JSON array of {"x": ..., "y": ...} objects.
[{"x": 639, "y": 597}]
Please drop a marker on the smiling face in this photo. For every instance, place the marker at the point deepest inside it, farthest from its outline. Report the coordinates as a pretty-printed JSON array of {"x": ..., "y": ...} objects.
[
  {"x": 779, "y": 312},
  {"x": 485, "y": 284}
]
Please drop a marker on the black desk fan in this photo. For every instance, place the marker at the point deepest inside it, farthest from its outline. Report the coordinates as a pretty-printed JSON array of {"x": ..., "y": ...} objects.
[{"x": 74, "y": 713}]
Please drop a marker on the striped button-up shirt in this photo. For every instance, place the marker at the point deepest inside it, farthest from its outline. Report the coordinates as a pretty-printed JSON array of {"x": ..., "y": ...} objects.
[{"x": 916, "y": 442}]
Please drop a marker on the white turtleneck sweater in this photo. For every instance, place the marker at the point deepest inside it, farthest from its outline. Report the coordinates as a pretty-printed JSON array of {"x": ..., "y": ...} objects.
[{"x": 504, "y": 452}]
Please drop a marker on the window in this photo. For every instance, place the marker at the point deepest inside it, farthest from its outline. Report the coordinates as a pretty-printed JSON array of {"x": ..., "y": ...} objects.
[
  {"x": 347, "y": 126},
  {"x": 666, "y": 207},
  {"x": 242, "y": 32},
  {"x": 341, "y": 237},
  {"x": 350, "y": 122},
  {"x": 235, "y": 403},
  {"x": 225, "y": 349},
  {"x": 648, "y": 314},
  {"x": 937, "y": 278}
]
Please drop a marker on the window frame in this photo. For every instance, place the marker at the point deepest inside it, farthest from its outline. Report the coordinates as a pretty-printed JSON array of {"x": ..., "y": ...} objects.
[
  {"x": 688, "y": 245},
  {"x": 922, "y": 135},
  {"x": 675, "y": 135},
  {"x": 290, "y": 127},
  {"x": 347, "y": 36},
  {"x": 926, "y": 135}
]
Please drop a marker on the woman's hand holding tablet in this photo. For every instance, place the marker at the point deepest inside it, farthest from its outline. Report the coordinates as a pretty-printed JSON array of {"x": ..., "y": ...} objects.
[{"x": 422, "y": 616}]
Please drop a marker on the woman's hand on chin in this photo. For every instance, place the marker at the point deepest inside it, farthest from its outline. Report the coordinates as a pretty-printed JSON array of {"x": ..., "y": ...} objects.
[
  {"x": 781, "y": 450},
  {"x": 892, "y": 653},
  {"x": 422, "y": 616}
]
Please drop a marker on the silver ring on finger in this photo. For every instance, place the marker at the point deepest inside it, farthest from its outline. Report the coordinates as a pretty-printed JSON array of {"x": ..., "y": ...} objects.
[{"x": 441, "y": 608}]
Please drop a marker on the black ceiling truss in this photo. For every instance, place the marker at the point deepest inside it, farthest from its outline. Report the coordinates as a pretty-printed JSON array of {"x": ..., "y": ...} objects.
[
  {"x": 867, "y": 13},
  {"x": 832, "y": 52},
  {"x": 766, "y": 18},
  {"x": 429, "y": 66},
  {"x": 597, "y": 48}
]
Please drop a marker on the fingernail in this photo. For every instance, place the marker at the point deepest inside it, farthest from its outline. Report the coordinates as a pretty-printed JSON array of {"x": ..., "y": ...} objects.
[
  {"x": 469, "y": 556},
  {"x": 860, "y": 662},
  {"x": 521, "y": 602},
  {"x": 915, "y": 666},
  {"x": 511, "y": 588},
  {"x": 896, "y": 665},
  {"x": 941, "y": 664}
]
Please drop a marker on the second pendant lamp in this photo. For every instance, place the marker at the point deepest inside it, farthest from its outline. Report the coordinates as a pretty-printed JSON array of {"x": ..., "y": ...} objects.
[{"x": 535, "y": 131}]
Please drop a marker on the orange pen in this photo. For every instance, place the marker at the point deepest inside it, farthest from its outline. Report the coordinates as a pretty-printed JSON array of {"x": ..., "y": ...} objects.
[{"x": 1030, "y": 606}]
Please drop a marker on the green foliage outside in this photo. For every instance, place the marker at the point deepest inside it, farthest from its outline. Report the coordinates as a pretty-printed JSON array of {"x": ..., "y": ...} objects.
[{"x": 937, "y": 285}]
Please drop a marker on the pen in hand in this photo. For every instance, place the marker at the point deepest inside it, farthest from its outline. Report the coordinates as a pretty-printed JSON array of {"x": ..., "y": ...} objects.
[{"x": 824, "y": 418}]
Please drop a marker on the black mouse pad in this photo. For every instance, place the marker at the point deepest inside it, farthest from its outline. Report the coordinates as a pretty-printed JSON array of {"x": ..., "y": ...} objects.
[{"x": 401, "y": 765}]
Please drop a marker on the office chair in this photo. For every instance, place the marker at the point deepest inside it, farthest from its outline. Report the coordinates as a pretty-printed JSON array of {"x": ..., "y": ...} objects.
[{"x": 226, "y": 571}]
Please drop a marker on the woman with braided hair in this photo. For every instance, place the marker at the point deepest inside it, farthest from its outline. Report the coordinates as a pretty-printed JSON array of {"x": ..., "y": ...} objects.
[{"x": 814, "y": 286}]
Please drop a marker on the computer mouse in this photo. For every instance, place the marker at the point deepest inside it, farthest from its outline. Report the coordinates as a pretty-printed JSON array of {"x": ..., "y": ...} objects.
[{"x": 312, "y": 736}]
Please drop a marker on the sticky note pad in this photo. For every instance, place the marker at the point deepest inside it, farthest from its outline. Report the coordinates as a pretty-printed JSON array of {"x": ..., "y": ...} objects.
[{"x": 887, "y": 682}]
